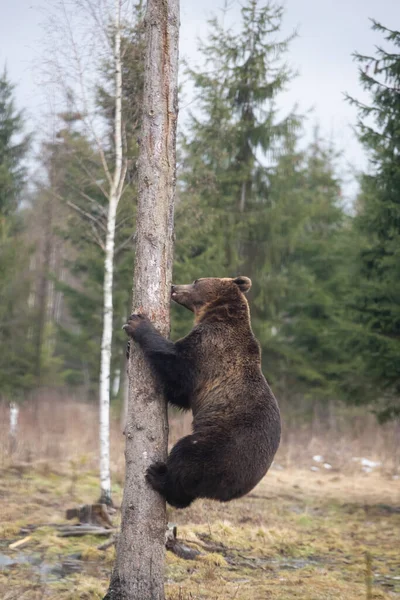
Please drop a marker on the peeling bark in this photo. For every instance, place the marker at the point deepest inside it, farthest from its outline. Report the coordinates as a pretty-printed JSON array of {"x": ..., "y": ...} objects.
[{"x": 139, "y": 569}]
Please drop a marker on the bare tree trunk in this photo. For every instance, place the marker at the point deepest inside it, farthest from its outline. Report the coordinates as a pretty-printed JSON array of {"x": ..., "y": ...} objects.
[
  {"x": 43, "y": 287},
  {"x": 139, "y": 569},
  {"x": 242, "y": 203},
  {"x": 106, "y": 343}
]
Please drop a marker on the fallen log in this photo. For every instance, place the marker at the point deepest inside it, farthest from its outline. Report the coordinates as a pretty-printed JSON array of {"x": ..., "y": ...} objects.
[
  {"x": 85, "y": 529},
  {"x": 109, "y": 543},
  {"x": 172, "y": 543},
  {"x": 181, "y": 550}
]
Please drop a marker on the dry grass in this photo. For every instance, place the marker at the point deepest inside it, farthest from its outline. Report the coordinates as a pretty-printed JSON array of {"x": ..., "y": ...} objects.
[
  {"x": 300, "y": 534},
  {"x": 50, "y": 426}
]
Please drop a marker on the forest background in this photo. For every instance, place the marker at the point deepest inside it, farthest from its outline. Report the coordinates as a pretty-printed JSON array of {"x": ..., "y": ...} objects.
[
  {"x": 258, "y": 194},
  {"x": 262, "y": 190}
]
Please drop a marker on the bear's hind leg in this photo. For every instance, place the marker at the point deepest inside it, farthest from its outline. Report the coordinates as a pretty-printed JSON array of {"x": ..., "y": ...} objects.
[{"x": 159, "y": 478}]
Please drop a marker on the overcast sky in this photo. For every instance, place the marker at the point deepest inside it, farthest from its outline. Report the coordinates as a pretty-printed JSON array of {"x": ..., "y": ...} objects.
[{"x": 329, "y": 32}]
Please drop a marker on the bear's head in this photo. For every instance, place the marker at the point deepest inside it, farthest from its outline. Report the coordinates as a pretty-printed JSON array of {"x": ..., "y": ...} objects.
[{"x": 210, "y": 292}]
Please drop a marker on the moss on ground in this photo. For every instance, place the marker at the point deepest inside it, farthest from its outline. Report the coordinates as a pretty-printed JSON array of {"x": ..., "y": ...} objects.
[{"x": 295, "y": 536}]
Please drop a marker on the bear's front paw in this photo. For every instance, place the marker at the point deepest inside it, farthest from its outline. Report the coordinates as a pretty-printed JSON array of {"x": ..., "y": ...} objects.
[
  {"x": 134, "y": 321},
  {"x": 156, "y": 474}
]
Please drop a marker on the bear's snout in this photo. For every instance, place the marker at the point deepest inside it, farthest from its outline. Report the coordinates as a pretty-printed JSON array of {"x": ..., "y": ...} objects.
[
  {"x": 183, "y": 295},
  {"x": 173, "y": 291}
]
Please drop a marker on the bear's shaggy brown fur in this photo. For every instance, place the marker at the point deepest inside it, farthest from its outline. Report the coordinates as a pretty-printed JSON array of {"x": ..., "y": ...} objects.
[{"x": 216, "y": 372}]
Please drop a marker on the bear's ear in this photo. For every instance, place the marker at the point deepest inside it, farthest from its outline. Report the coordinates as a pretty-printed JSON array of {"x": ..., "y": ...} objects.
[{"x": 243, "y": 283}]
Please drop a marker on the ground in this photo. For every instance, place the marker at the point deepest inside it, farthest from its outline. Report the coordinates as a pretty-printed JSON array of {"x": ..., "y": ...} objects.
[{"x": 300, "y": 534}]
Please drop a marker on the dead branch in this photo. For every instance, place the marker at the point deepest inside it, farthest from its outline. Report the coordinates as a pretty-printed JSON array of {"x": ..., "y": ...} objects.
[
  {"x": 125, "y": 243},
  {"x": 80, "y": 530}
]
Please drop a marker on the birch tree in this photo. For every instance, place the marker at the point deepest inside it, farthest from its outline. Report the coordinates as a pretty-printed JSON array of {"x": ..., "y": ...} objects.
[
  {"x": 81, "y": 47},
  {"x": 139, "y": 569},
  {"x": 116, "y": 181}
]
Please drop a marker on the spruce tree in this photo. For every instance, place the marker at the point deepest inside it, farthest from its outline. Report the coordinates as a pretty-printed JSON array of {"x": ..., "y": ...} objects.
[
  {"x": 231, "y": 143},
  {"x": 250, "y": 202},
  {"x": 15, "y": 357},
  {"x": 13, "y": 150},
  {"x": 306, "y": 274},
  {"x": 374, "y": 331}
]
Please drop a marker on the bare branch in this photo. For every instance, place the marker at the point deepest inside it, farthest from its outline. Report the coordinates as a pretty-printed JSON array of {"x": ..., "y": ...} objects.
[
  {"x": 120, "y": 223},
  {"x": 123, "y": 189},
  {"x": 97, "y": 238},
  {"x": 125, "y": 243},
  {"x": 87, "y": 215},
  {"x": 81, "y": 78},
  {"x": 95, "y": 181},
  {"x": 97, "y": 204},
  {"x": 122, "y": 179}
]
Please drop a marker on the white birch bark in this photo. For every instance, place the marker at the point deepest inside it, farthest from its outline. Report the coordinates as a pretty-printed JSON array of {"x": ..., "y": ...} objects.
[
  {"x": 14, "y": 412},
  {"x": 139, "y": 569},
  {"x": 106, "y": 344},
  {"x": 116, "y": 382}
]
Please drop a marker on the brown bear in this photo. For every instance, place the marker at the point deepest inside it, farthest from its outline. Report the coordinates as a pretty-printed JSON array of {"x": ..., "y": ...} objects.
[{"x": 216, "y": 372}]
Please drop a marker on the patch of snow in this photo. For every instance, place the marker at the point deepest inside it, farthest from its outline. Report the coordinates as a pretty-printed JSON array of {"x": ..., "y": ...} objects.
[
  {"x": 366, "y": 464},
  {"x": 318, "y": 458},
  {"x": 370, "y": 463},
  {"x": 327, "y": 466},
  {"x": 314, "y": 468},
  {"x": 366, "y": 469}
]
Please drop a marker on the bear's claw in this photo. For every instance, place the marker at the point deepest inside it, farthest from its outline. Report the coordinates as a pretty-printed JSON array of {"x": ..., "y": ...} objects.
[{"x": 133, "y": 323}]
